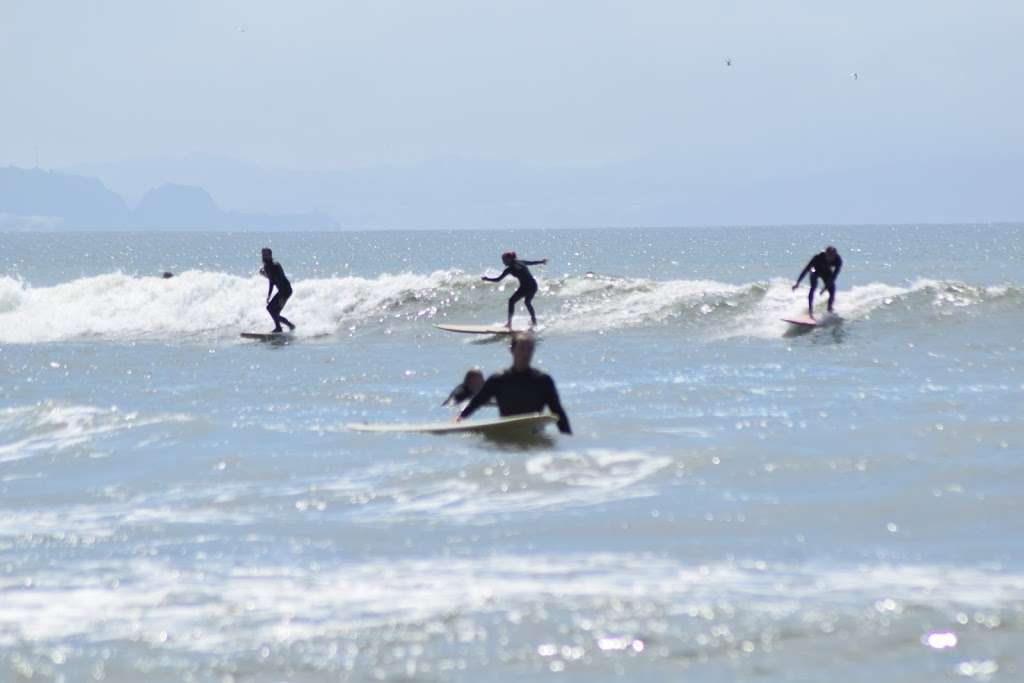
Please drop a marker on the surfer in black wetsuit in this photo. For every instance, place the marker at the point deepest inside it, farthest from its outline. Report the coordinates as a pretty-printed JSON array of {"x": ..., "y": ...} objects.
[
  {"x": 825, "y": 265},
  {"x": 520, "y": 389},
  {"x": 470, "y": 387},
  {"x": 274, "y": 273},
  {"x": 527, "y": 285}
]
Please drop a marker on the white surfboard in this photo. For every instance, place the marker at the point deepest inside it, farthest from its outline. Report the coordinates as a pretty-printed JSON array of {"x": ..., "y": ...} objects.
[
  {"x": 267, "y": 336},
  {"x": 801, "y": 322},
  {"x": 480, "y": 329},
  {"x": 516, "y": 425}
]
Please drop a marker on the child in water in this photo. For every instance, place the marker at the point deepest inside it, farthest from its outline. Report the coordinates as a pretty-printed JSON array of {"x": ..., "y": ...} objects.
[{"x": 471, "y": 385}]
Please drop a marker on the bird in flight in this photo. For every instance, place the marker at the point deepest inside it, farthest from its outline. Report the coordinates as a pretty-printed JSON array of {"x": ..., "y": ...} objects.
[
  {"x": 854, "y": 75},
  {"x": 728, "y": 61}
]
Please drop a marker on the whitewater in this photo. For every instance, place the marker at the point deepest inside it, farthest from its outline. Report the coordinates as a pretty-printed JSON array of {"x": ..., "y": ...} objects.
[
  {"x": 205, "y": 305},
  {"x": 738, "y": 501}
]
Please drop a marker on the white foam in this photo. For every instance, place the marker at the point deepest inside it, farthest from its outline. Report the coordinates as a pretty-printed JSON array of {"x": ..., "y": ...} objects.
[
  {"x": 208, "y": 304},
  {"x": 51, "y": 427},
  {"x": 197, "y": 303},
  {"x": 224, "y": 608},
  {"x": 595, "y": 303},
  {"x": 546, "y": 482},
  {"x": 856, "y": 303}
]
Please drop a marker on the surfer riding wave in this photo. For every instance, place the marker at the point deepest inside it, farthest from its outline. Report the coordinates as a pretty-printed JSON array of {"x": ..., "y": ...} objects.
[
  {"x": 825, "y": 265},
  {"x": 274, "y": 273},
  {"x": 517, "y": 268}
]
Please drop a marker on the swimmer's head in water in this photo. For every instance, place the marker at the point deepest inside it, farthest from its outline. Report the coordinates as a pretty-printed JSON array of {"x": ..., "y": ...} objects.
[
  {"x": 267, "y": 254},
  {"x": 508, "y": 257},
  {"x": 522, "y": 348}
]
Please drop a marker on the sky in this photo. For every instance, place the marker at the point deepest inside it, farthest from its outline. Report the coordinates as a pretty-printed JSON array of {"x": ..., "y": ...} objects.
[{"x": 332, "y": 85}]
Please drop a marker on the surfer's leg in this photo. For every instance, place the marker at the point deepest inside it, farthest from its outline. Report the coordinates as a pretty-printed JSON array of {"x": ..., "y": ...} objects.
[
  {"x": 831, "y": 295},
  {"x": 516, "y": 296},
  {"x": 284, "y": 300},
  {"x": 529, "y": 306},
  {"x": 810, "y": 295},
  {"x": 274, "y": 308}
]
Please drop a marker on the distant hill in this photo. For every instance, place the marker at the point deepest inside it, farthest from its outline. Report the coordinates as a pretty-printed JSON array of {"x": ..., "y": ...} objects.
[
  {"x": 663, "y": 191},
  {"x": 188, "y": 207},
  {"x": 37, "y": 199},
  {"x": 177, "y": 206},
  {"x": 53, "y": 198}
]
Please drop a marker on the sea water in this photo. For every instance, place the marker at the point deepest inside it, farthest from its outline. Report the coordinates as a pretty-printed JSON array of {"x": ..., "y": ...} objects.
[{"x": 737, "y": 502}]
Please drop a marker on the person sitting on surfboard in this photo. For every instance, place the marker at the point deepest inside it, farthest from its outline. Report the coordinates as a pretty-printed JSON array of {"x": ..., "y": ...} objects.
[
  {"x": 521, "y": 389},
  {"x": 825, "y": 265},
  {"x": 527, "y": 285},
  {"x": 470, "y": 387},
  {"x": 273, "y": 271}
]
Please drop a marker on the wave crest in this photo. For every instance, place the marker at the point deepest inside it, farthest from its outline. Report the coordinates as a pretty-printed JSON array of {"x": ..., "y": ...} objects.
[{"x": 201, "y": 304}]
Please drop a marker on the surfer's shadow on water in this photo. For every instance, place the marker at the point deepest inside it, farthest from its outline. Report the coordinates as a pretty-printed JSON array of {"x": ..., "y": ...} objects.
[
  {"x": 508, "y": 443},
  {"x": 527, "y": 442},
  {"x": 830, "y": 332},
  {"x": 488, "y": 341}
]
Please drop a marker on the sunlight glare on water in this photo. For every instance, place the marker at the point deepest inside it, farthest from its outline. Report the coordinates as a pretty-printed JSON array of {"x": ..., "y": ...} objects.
[{"x": 736, "y": 501}]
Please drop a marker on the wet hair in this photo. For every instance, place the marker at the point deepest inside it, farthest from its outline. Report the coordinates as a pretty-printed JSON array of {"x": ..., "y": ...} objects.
[
  {"x": 830, "y": 249},
  {"x": 508, "y": 256},
  {"x": 266, "y": 251},
  {"x": 463, "y": 392}
]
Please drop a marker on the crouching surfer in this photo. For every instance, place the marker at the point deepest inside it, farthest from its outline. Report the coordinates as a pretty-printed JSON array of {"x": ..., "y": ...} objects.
[
  {"x": 826, "y": 266},
  {"x": 274, "y": 273}
]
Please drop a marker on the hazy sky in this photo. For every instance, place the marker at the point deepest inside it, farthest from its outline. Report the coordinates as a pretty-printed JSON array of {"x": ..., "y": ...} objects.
[{"x": 331, "y": 84}]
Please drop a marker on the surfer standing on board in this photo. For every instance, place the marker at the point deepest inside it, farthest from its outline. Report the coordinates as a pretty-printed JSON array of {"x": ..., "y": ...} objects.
[
  {"x": 273, "y": 271},
  {"x": 527, "y": 285},
  {"x": 521, "y": 389},
  {"x": 825, "y": 265}
]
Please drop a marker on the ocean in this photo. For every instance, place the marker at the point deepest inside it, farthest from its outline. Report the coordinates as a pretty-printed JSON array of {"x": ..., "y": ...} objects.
[{"x": 737, "y": 502}]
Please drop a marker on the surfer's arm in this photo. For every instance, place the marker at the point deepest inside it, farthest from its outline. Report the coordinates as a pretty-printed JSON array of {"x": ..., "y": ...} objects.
[
  {"x": 270, "y": 288},
  {"x": 458, "y": 395},
  {"x": 485, "y": 394},
  {"x": 839, "y": 266},
  {"x": 803, "y": 273},
  {"x": 501, "y": 277},
  {"x": 555, "y": 405},
  {"x": 542, "y": 262}
]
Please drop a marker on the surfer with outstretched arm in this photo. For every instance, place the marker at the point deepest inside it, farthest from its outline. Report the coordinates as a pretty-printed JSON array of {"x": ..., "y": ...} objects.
[
  {"x": 521, "y": 389},
  {"x": 274, "y": 273},
  {"x": 517, "y": 268},
  {"x": 825, "y": 265}
]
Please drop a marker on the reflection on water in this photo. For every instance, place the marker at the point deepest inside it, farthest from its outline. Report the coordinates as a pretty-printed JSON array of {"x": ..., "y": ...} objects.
[{"x": 737, "y": 502}]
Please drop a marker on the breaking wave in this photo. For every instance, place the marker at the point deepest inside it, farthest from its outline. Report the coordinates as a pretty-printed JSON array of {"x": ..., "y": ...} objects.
[{"x": 200, "y": 304}]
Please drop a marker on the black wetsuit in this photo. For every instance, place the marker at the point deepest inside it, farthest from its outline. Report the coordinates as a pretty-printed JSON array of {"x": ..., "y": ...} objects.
[
  {"x": 527, "y": 286},
  {"x": 459, "y": 394},
  {"x": 819, "y": 267},
  {"x": 518, "y": 393},
  {"x": 275, "y": 273}
]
